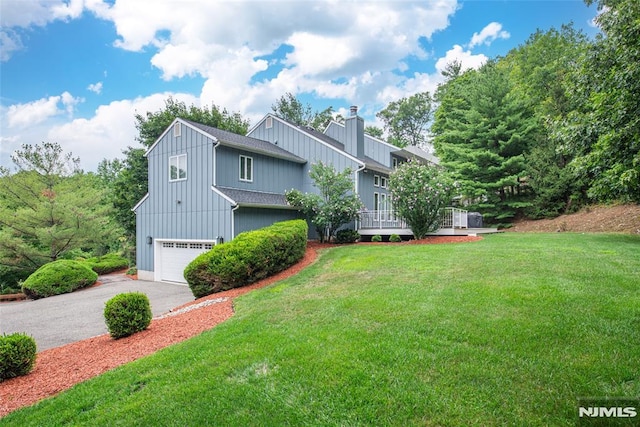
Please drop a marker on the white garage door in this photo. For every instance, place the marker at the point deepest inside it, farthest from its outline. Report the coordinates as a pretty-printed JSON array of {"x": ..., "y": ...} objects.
[{"x": 175, "y": 256}]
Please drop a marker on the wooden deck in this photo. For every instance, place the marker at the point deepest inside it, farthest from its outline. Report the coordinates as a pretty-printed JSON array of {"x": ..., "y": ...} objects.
[
  {"x": 440, "y": 232},
  {"x": 386, "y": 223}
]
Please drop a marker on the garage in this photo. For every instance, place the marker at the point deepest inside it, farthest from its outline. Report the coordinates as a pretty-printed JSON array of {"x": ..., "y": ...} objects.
[{"x": 175, "y": 256}]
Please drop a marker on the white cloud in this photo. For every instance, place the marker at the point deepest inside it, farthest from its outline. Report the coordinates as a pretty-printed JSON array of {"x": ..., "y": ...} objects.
[
  {"x": 465, "y": 57},
  {"x": 330, "y": 41},
  {"x": 104, "y": 135},
  {"x": 490, "y": 33},
  {"x": 27, "y": 14},
  {"x": 32, "y": 113},
  {"x": 95, "y": 87}
]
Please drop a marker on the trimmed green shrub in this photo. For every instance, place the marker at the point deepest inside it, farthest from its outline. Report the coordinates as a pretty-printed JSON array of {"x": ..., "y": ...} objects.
[
  {"x": 395, "y": 238},
  {"x": 128, "y": 313},
  {"x": 251, "y": 256},
  {"x": 17, "y": 355},
  {"x": 347, "y": 236},
  {"x": 107, "y": 263},
  {"x": 376, "y": 238},
  {"x": 58, "y": 277}
]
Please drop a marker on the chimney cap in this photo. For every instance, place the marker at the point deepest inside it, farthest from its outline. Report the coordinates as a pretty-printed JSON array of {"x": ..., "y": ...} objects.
[{"x": 354, "y": 110}]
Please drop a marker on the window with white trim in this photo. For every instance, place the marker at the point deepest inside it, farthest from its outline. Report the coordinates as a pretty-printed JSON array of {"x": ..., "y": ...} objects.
[
  {"x": 394, "y": 162},
  {"x": 178, "y": 167},
  {"x": 376, "y": 180},
  {"x": 246, "y": 168},
  {"x": 376, "y": 201},
  {"x": 383, "y": 182}
]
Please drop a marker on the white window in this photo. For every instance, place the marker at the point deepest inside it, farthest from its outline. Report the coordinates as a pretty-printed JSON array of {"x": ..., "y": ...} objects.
[
  {"x": 177, "y": 130},
  {"x": 246, "y": 168},
  {"x": 376, "y": 180},
  {"x": 383, "y": 182},
  {"x": 178, "y": 167},
  {"x": 269, "y": 123},
  {"x": 394, "y": 162},
  {"x": 376, "y": 201}
]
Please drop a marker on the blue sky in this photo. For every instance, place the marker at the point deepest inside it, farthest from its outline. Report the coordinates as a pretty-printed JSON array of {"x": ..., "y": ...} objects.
[{"x": 77, "y": 71}]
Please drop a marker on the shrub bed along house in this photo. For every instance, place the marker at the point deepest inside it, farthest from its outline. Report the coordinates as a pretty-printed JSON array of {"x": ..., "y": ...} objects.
[
  {"x": 58, "y": 277},
  {"x": 128, "y": 313},
  {"x": 251, "y": 256},
  {"x": 107, "y": 263},
  {"x": 17, "y": 355}
]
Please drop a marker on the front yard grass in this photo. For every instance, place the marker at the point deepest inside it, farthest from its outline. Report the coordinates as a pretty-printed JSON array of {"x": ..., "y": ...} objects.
[{"x": 510, "y": 330}]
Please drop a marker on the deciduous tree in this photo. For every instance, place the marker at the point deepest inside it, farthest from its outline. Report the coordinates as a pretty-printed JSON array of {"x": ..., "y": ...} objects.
[{"x": 419, "y": 193}]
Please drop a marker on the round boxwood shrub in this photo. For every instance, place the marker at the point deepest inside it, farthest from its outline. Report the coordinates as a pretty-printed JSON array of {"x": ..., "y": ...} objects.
[
  {"x": 347, "y": 236},
  {"x": 376, "y": 238},
  {"x": 58, "y": 277},
  {"x": 17, "y": 355},
  {"x": 108, "y": 263},
  {"x": 395, "y": 238},
  {"x": 126, "y": 314}
]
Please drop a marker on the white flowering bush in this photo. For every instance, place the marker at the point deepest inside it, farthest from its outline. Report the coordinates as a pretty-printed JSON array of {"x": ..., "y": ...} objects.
[
  {"x": 336, "y": 205},
  {"x": 419, "y": 193}
]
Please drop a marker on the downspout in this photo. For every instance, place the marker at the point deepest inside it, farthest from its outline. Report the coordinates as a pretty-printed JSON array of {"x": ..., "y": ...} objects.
[
  {"x": 215, "y": 165},
  {"x": 233, "y": 221},
  {"x": 357, "y": 186}
]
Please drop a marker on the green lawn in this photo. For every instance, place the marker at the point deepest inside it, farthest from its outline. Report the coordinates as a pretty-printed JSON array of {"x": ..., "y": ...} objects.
[{"x": 510, "y": 330}]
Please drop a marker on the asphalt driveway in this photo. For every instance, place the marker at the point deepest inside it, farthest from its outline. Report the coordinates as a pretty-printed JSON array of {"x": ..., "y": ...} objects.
[{"x": 63, "y": 319}]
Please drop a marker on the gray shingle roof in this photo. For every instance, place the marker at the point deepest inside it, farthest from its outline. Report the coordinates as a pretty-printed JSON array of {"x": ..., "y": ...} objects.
[
  {"x": 253, "y": 145},
  {"x": 255, "y": 198}
]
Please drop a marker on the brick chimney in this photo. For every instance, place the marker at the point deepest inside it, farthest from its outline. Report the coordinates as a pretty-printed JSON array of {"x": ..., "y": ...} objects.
[{"x": 354, "y": 141}]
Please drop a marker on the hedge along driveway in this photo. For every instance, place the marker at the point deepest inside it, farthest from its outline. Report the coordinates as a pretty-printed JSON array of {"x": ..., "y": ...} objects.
[{"x": 63, "y": 319}]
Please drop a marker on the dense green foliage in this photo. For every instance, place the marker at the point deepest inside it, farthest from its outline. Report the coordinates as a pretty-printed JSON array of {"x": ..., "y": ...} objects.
[
  {"x": 397, "y": 335},
  {"x": 128, "y": 313},
  {"x": 250, "y": 256},
  {"x": 376, "y": 238},
  {"x": 108, "y": 263},
  {"x": 48, "y": 207},
  {"x": 58, "y": 277},
  {"x": 17, "y": 355},
  {"x": 419, "y": 193},
  {"x": 337, "y": 203},
  {"x": 603, "y": 132},
  {"x": 407, "y": 120},
  {"x": 541, "y": 70},
  {"x": 552, "y": 125}
]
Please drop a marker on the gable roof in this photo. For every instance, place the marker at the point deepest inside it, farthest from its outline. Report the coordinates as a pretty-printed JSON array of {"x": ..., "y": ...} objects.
[
  {"x": 233, "y": 140},
  {"x": 312, "y": 133},
  {"x": 249, "y": 198}
]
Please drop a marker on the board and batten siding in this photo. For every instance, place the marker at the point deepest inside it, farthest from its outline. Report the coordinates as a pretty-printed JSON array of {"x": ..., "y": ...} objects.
[
  {"x": 185, "y": 209},
  {"x": 248, "y": 218},
  {"x": 270, "y": 174},
  {"x": 302, "y": 145}
]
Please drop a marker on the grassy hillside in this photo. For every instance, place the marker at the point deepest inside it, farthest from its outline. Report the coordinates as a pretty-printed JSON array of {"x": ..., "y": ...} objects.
[{"x": 510, "y": 330}]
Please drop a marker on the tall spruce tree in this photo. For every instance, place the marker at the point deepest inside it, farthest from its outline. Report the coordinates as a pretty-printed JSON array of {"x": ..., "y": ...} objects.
[{"x": 482, "y": 132}]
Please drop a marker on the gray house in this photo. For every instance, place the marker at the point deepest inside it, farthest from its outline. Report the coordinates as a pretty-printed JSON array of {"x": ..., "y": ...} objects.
[{"x": 207, "y": 185}]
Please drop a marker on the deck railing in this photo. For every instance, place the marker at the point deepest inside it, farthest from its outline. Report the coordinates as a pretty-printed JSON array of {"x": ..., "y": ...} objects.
[{"x": 451, "y": 218}]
